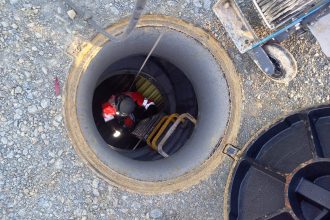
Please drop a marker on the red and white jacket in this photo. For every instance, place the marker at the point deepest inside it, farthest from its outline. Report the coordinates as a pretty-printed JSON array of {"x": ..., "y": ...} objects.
[{"x": 109, "y": 109}]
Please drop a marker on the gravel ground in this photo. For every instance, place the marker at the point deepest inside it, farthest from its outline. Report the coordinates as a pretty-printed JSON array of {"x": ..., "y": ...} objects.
[{"x": 42, "y": 176}]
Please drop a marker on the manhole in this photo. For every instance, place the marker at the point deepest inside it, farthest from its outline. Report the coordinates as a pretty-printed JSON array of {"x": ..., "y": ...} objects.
[
  {"x": 161, "y": 82},
  {"x": 285, "y": 173},
  {"x": 188, "y": 72}
]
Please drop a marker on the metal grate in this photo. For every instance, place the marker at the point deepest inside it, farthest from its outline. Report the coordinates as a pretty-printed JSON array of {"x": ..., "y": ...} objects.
[
  {"x": 145, "y": 126},
  {"x": 277, "y": 12}
]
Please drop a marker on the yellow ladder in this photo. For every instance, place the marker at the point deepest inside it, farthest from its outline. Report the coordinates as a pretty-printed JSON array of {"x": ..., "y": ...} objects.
[{"x": 161, "y": 127}]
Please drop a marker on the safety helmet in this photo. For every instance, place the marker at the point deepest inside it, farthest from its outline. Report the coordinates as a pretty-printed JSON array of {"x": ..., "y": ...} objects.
[{"x": 125, "y": 105}]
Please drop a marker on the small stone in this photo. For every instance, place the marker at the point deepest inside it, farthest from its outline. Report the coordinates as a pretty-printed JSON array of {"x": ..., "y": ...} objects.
[
  {"x": 21, "y": 212},
  {"x": 27, "y": 6},
  {"x": 136, "y": 205},
  {"x": 114, "y": 10},
  {"x": 20, "y": 61},
  {"x": 29, "y": 95},
  {"x": 26, "y": 191},
  {"x": 2, "y": 94},
  {"x": 34, "y": 48},
  {"x": 30, "y": 25},
  {"x": 44, "y": 70},
  {"x": 59, "y": 10},
  {"x": 197, "y": 3},
  {"x": 35, "y": 11},
  {"x": 55, "y": 123},
  {"x": 18, "y": 114},
  {"x": 40, "y": 129},
  {"x": 58, "y": 118},
  {"x": 72, "y": 14},
  {"x": 13, "y": 1},
  {"x": 16, "y": 18},
  {"x": 124, "y": 210},
  {"x": 115, "y": 202},
  {"x": 14, "y": 26},
  {"x": 96, "y": 192},
  {"x": 38, "y": 35},
  {"x": 156, "y": 214},
  {"x": 10, "y": 155},
  {"x": 44, "y": 203},
  {"x": 24, "y": 128},
  {"x": 27, "y": 75},
  {"x": 51, "y": 154},
  {"x": 83, "y": 212},
  {"x": 59, "y": 164},
  {"x": 207, "y": 4},
  {"x": 32, "y": 109},
  {"x": 25, "y": 152},
  {"x": 44, "y": 103},
  {"x": 4, "y": 24},
  {"x": 95, "y": 183},
  {"x": 4, "y": 140},
  {"x": 18, "y": 90}
]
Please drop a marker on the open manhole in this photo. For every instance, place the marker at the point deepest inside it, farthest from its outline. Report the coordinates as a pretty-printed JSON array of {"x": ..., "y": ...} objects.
[
  {"x": 187, "y": 73},
  {"x": 161, "y": 82},
  {"x": 285, "y": 173}
]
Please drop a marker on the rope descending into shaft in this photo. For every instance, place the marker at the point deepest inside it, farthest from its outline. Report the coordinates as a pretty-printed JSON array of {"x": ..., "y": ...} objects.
[{"x": 147, "y": 58}]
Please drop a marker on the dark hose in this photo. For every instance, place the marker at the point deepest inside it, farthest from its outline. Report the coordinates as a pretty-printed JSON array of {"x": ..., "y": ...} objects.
[{"x": 139, "y": 7}]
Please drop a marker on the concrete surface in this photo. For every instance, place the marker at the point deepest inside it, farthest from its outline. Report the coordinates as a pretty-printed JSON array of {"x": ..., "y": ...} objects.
[{"x": 41, "y": 175}]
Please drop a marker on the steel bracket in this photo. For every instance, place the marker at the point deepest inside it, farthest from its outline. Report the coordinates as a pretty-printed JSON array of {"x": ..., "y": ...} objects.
[{"x": 237, "y": 27}]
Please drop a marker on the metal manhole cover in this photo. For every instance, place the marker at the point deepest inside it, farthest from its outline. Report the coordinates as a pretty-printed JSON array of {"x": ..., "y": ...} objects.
[{"x": 285, "y": 173}]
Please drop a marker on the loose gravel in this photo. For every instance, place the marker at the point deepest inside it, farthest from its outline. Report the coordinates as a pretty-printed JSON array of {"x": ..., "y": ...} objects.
[{"x": 41, "y": 175}]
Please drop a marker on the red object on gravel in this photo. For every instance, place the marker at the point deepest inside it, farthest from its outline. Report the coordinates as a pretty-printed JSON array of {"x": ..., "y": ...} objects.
[{"x": 57, "y": 87}]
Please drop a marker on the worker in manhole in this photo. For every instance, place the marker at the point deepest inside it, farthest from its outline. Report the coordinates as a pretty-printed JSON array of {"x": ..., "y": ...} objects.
[{"x": 125, "y": 110}]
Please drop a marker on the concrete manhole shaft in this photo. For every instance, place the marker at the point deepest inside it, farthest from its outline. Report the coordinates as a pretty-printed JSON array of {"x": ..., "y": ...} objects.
[{"x": 198, "y": 77}]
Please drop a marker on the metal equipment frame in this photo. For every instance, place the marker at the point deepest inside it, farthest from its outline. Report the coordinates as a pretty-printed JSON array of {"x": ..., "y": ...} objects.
[{"x": 246, "y": 40}]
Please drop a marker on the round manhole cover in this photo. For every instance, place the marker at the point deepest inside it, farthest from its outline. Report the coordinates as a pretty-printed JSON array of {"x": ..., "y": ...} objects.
[{"x": 285, "y": 173}]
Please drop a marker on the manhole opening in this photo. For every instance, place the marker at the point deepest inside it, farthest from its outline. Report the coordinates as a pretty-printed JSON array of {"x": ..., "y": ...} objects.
[
  {"x": 189, "y": 80},
  {"x": 188, "y": 72},
  {"x": 163, "y": 83}
]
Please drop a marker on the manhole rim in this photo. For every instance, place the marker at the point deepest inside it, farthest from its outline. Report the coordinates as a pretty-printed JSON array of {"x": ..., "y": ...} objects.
[{"x": 182, "y": 182}]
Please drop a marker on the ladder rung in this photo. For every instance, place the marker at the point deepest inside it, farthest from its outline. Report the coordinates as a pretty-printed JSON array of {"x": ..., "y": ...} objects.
[
  {"x": 162, "y": 126},
  {"x": 162, "y": 129},
  {"x": 155, "y": 130}
]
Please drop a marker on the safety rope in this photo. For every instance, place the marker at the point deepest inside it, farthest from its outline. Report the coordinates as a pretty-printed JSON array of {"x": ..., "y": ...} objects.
[{"x": 146, "y": 59}]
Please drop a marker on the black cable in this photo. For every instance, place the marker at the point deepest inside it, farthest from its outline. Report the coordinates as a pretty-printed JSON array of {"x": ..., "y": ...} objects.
[{"x": 139, "y": 7}]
